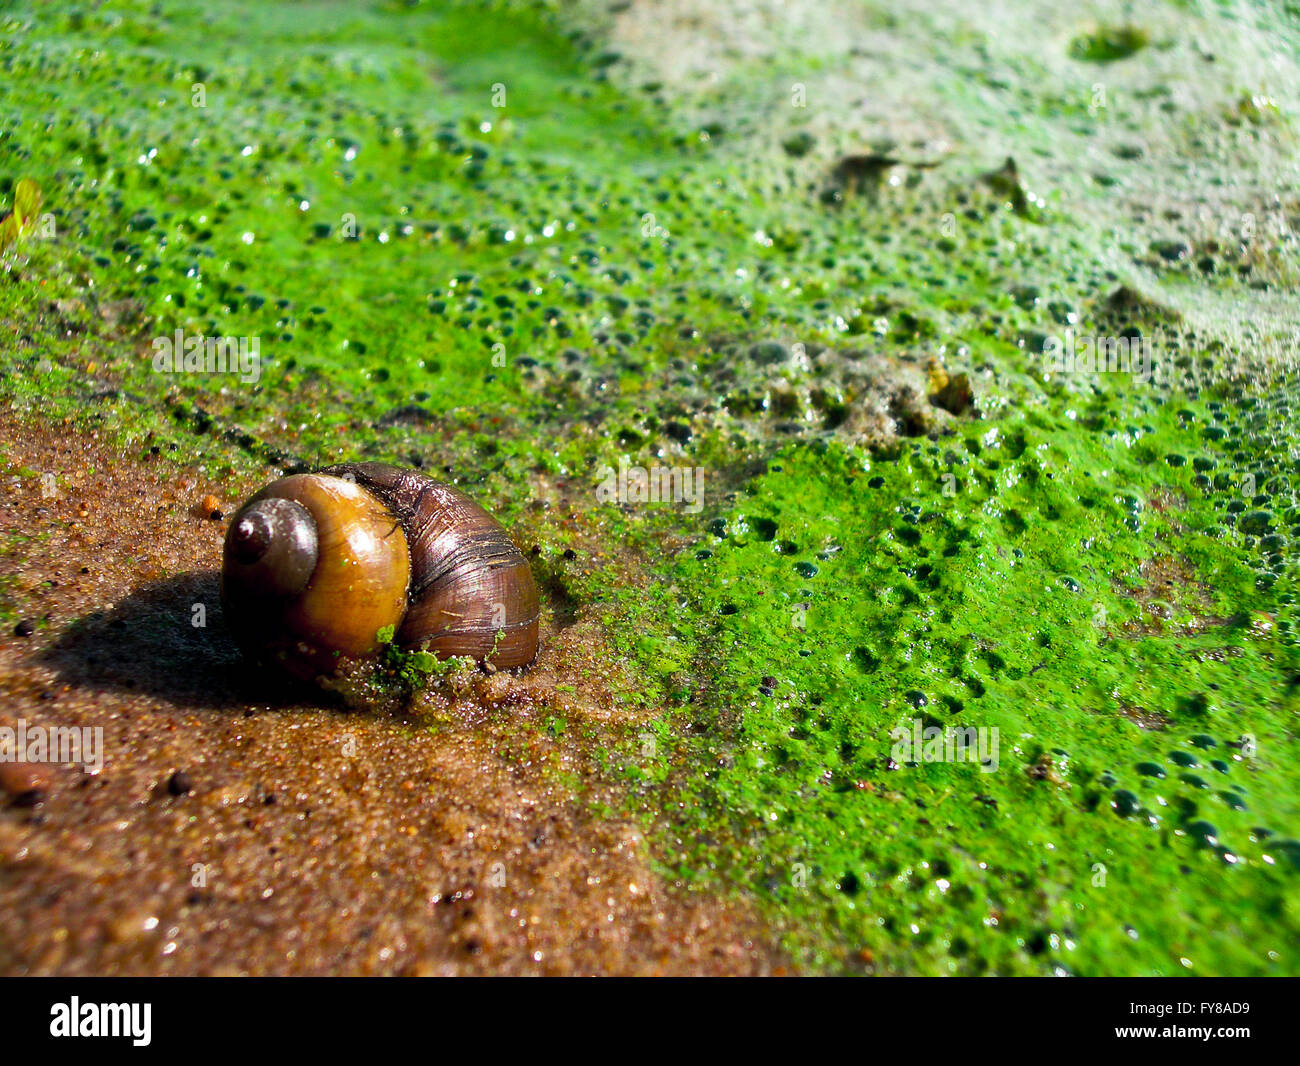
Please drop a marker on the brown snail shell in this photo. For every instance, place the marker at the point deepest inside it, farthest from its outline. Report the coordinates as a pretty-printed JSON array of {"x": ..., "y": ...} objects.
[{"x": 315, "y": 565}]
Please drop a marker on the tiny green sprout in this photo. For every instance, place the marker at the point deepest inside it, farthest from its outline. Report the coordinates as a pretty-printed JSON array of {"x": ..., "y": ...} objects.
[
  {"x": 27, "y": 200},
  {"x": 496, "y": 643},
  {"x": 22, "y": 220}
]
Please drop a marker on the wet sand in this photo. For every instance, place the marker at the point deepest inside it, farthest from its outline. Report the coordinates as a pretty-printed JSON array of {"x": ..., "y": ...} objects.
[{"x": 305, "y": 839}]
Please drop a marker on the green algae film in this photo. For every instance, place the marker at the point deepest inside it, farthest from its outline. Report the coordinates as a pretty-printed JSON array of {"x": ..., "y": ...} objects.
[
  {"x": 840, "y": 599},
  {"x": 517, "y": 289}
]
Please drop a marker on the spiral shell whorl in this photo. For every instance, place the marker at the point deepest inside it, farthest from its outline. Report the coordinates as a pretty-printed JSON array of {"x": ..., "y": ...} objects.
[
  {"x": 356, "y": 585},
  {"x": 471, "y": 590}
]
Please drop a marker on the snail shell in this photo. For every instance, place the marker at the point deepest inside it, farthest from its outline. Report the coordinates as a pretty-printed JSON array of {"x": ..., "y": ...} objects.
[{"x": 315, "y": 565}]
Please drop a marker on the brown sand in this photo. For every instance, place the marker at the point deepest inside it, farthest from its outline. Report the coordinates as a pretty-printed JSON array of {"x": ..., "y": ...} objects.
[{"x": 314, "y": 840}]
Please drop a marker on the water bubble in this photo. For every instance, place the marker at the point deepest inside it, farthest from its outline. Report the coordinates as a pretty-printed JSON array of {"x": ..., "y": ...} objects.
[{"x": 1125, "y": 803}]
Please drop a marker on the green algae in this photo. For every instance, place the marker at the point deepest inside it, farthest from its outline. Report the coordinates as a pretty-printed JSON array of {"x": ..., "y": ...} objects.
[
  {"x": 953, "y": 609},
  {"x": 1106, "y": 44},
  {"x": 517, "y": 296}
]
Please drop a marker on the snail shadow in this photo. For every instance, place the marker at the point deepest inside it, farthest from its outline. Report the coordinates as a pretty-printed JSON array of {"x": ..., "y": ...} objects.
[{"x": 151, "y": 644}]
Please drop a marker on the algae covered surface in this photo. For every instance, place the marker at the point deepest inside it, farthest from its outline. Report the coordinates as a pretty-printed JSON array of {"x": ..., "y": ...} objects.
[{"x": 849, "y": 267}]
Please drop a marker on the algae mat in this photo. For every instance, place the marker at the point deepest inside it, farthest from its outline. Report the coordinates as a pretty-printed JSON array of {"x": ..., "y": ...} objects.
[{"x": 965, "y": 343}]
